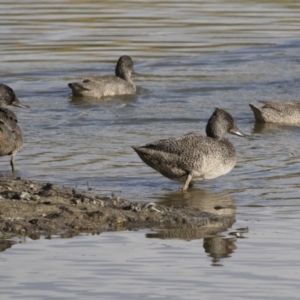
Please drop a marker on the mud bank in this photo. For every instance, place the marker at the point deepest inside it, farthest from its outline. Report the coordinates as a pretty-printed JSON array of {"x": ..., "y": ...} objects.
[{"x": 32, "y": 209}]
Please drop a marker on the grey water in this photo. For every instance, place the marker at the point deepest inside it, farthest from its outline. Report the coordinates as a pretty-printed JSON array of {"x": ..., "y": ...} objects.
[{"x": 189, "y": 57}]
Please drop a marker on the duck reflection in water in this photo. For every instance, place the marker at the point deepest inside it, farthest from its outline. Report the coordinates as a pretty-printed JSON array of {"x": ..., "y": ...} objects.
[
  {"x": 264, "y": 128},
  {"x": 218, "y": 216},
  {"x": 219, "y": 247}
]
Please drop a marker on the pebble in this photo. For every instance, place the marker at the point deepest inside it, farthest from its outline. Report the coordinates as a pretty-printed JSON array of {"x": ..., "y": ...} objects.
[
  {"x": 75, "y": 201},
  {"x": 36, "y": 197},
  {"x": 25, "y": 196}
]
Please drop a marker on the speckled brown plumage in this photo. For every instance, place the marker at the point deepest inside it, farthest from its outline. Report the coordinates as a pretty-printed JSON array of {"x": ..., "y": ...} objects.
[
  {"x": 11, "y": 137},
  {"x": 107, "y": 85},
  {"x": 193, "y": 157},
  {"x": 286, "y": 112}
]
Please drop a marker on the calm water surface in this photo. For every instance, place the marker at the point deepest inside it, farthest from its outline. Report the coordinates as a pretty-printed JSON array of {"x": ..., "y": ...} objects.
[{"x": 189, "y": 58}]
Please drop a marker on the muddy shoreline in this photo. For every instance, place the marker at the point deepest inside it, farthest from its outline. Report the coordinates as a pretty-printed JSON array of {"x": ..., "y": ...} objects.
[{"x": 29, "y": 208}]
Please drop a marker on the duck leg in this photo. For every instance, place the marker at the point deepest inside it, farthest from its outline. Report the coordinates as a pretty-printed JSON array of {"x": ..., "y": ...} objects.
[
  {"x": 187, "y": 182},
  {"x": 12, "y": 163}
]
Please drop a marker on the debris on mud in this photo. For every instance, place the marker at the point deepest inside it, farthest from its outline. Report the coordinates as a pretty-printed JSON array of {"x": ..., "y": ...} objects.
[{"x": 32, "y": 209}]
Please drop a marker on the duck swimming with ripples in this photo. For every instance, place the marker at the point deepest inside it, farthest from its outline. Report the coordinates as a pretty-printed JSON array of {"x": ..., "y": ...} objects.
[
  {"x": 285, "y": 112},
  {"x": 194, "y": 157},
  {"x": 107, "y": 85}
]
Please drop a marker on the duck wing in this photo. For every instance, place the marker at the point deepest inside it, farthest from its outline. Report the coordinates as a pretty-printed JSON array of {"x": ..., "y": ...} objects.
[
  {"x": 8, "y": 118},
  {"x": 281, "y": 106},
  {"x": 101, "y": 79},
  {"x": 176, "y": 157},
  {"x": 176, "y": 146}
]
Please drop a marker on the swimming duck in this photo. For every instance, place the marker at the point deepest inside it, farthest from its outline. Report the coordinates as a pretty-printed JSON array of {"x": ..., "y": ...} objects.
[
  {"x": 11, "y": 137},
  {"x": 193, "y": 157},
  {"x": 107, "y": 85},
  {"x": 286, "y": 112}
]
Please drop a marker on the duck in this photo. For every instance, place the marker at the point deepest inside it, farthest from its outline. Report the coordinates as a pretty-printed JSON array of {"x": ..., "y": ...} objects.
[
  {"x": 286, "y": 112},
  {"x": 192, "y": 157},
  {"x": 11, "y": 137},
  {"x": 107, "y": 85}
]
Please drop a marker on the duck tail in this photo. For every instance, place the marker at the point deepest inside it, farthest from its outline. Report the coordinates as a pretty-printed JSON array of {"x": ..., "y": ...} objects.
[
  {"x": 77, "y": 88},
  {"x": 142, "y": 152},
  {"x": 137, "y": 149},
  {"x": 257, "y": 113}
]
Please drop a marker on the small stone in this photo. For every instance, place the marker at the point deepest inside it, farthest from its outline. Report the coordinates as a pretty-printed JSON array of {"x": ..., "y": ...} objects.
[
  {"x": 33, "y": 221},
  {"x": 48, "y": 186},
  {"x": 75, "y": 201},
  {"x": 36, "y": 197},
  {"x": 25, "y": 196},
  {"x": 101, "y": 203}
]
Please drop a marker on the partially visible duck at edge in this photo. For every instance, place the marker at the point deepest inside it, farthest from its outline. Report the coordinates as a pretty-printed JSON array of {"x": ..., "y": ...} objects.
[
  {"x": 286, "y": 112},
  {"x": 107, "y": 85},
  {"x": 194, "y": 157},
  {"x": 11, "y": 137}
]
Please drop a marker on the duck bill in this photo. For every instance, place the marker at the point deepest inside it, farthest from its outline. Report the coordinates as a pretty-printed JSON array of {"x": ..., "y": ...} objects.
[
  {"x": 237, "y": 132},
  {"x": 17, "y": 103}
]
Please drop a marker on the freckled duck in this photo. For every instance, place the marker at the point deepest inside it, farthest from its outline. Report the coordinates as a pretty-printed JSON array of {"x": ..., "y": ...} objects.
[
  {"x": 286, "y": 112},
  {"x": 194, "y": 157},
  {"x": 107, "y": 85},
  {"x": 11, "y": 137}
]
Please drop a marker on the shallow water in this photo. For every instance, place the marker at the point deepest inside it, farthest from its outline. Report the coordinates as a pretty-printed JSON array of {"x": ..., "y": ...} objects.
[{"x": 189, "y": 58}]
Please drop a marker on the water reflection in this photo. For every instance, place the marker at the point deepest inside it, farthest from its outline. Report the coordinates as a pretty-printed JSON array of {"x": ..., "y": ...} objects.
[
  {"x": 216, "y": 203},
  {"x": 272, "y": 128},
  {"x": 219, "y": 247},
  {"x": 219, "y": 211},
  {"x": 280, "y": 142},
  {"x": 119, "y": 99},
  {"x": 6, "y": 244}
]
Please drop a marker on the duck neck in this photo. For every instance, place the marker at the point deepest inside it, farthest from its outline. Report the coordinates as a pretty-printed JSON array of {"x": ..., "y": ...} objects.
[
  {"x": 213, "y": 133},
  {"x": 127, "y": 78},
  {"x": 125, "y": 75}
]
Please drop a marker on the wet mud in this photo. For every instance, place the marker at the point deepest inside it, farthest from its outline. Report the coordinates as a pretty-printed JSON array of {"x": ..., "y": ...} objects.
[{"x": 33, "y": 209}]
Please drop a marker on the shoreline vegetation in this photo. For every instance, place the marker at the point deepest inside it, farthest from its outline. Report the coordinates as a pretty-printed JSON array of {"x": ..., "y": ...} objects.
[{"x": 35, "y": 209}]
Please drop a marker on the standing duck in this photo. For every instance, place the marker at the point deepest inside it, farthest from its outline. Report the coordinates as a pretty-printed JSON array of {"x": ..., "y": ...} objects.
[
  {"x": 194, "y": 157},
  {"x": 11, "y": 137},
  {"x": 286, "y": 112},
  {"x": 107, "y": 85}
]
